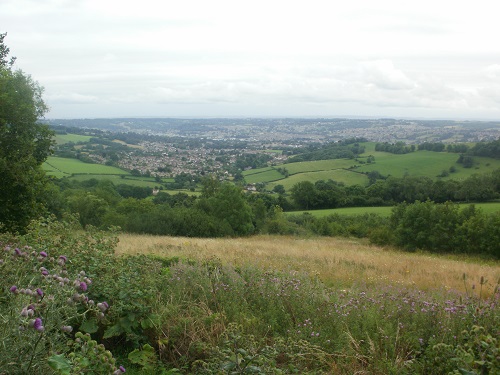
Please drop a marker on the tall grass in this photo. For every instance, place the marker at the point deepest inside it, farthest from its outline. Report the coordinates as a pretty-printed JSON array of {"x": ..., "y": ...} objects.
[{"x": 336, "y": 261}]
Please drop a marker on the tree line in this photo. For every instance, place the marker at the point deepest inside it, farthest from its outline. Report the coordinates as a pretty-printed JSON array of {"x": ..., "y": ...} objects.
[{"x": 321, "y": 194}]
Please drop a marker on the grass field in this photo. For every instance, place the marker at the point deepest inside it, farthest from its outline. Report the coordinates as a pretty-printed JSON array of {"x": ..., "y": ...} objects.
[
  {"x": 339, "y": 175},
  {"x": 263, "y": 175},
  {"x": 345, "y": 262},
  {"x": 419, "y": 163},
  {"x": 383, "y": 211},
  {"x": 62, "y": 167},
  {"x": 75, "y": 138}
]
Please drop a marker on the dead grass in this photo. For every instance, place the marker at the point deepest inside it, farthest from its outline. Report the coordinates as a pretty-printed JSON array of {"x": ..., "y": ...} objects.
[{"x": 336, "y": 261}]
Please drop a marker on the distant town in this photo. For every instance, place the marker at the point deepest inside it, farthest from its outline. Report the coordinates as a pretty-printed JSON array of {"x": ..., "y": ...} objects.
[{"x": 167, "y": 147}]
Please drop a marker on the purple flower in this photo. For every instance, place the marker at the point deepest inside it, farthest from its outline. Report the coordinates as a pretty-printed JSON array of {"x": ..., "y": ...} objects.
[
  {"x": 43, "y": 254},
  {"x": 103, "y": 306},
  {"x": 66, "y": 329},
  {"x": 13, "y": 289},
  {"x": 38, "y": 325},
  {"x": 62, "y": 260},
  {"x": 39, "y": 292},
  {"x": 122, "y": 369},
  {"x": 83, "y": 286},
  {"x": 17, "y": 251}
]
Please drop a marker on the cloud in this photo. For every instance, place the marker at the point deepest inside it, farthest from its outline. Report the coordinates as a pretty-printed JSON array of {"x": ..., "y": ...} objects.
[
  {"x": 71, "y": 98},
  {"x": 492, "y": 71},
  {"x": 383, "y": 74}
]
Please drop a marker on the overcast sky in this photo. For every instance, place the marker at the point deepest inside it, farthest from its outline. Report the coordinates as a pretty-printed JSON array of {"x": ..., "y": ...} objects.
[{"x": 208, "y": 58}]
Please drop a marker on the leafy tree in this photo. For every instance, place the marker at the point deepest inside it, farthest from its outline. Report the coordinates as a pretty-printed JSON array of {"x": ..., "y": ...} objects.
[
  {"x": 280, "y": 189},
  {"x": 24, "y": 145},
  {"x": 229, "y": 207},
  {"x": 304, "y": 194}
]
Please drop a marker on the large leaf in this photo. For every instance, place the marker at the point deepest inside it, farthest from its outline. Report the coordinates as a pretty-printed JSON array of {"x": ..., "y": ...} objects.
[
  {"x": 145, "y": 357},
  {"x": 60, "y": 364},
  {"x": 89, "y": 326}
]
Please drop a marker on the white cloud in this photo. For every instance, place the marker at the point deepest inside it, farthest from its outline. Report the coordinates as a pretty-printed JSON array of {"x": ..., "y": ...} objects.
[{"x": 281, "y": 55}]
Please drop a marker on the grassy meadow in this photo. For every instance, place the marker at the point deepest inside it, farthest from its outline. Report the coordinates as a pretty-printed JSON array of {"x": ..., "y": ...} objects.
[
  {"x": 75, "y": 138},
  {"x": 62, "y": 167},
  {"x": 335, "y": 261},
  {"x": 351, "y": 172},
  {"x": 385, "y": 211}
]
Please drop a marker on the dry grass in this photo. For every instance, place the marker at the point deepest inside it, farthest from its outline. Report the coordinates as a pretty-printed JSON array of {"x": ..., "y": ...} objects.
[{"x": 336, "y": 261}]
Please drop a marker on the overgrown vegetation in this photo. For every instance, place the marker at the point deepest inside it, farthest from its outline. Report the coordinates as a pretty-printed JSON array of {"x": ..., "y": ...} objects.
[{"x": 168, "y": 315}]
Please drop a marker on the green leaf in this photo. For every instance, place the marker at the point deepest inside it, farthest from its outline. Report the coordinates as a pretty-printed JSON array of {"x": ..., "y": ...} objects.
[
  {"x": 89, "y": 326},
  {"x": 145, "y": 357},
  {"x": 113, "y": 331},
  {"x": 60, "y": 364}
]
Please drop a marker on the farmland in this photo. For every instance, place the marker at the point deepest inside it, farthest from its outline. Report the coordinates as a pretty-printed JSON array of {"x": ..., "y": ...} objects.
[
  {"x": 353, "y": 172},
  {"x": 63, "y": 167},
  {"x": 384, "y": 211}
]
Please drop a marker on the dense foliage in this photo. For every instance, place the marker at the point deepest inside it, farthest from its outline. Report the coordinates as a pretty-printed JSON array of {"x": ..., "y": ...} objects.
[{"x": 24, "y": 145}]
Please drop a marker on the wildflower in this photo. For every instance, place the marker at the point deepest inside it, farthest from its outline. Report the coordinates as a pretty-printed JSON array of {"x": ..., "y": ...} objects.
[
  {"x": 39, "y": 292},
  {"x": 43, "y": 254},
  {"x": 38, "y": 325},
  {"x": 13, "y": 289},
  {"x": 62, "y": 260},
  {"x": 83, "y": 286},
  {"x": 67, "y": 329},
  {"x": 103, "y": 306},
  {"x": 121, "y": 368}
]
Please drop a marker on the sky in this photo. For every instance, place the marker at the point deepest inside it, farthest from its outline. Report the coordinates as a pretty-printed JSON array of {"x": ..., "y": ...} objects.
[{"x": 272, "y": 58}]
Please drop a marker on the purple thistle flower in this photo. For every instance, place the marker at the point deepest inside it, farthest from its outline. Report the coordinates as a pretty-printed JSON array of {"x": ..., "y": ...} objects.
[
  {"x": 43, "y": 254},
  {"x": 103, "y": 306},
  {"x": 67, "y": 329},
  {"x": 62, "y": 260},
  {"x": 83, "y": 286},
  {"x": 39, "y": 292},
  {"x": 13, "y": 289},
  {"x": 17, "y": 251},
  {"x": 122, "y": 369},
  {"x": 38, "y": 325}
]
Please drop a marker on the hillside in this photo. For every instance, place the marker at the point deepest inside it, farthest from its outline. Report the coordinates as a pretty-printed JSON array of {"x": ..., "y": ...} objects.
[
  {"x": 336, "y": 261},
  {"x": 353, "y": 171}
]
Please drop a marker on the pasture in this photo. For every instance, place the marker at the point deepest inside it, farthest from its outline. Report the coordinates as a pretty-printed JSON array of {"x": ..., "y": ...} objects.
[
  {"x": 75, "y": 138},
  {"x": 347, "y": 177},
  {"x": 65, "y": 167},
  {"x": 254, "y": 176},
  {"x": 385, "y": 211},
  {"x": 352, "y": 171}
]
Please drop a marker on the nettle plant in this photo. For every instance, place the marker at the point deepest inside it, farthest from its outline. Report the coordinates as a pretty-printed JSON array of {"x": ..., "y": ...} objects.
[{"x": 42, "y": 305}]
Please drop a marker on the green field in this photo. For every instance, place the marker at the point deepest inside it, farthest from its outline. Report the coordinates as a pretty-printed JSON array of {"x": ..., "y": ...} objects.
[
  {"x": 351, "y": 171},
  {"x": 340, "y": 175},
  {"x": 262, "y": 175},
  {"x": 65, "y": 167},
  {"x": 319, "y": 165},
  {"x": 385, "y": 211},
  {"x": 75, "y": 138}
]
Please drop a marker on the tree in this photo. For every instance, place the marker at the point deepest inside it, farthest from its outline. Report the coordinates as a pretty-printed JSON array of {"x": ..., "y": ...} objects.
[
  {"x": 24, "y": 145},
  {"x": 304, "y": 194}
]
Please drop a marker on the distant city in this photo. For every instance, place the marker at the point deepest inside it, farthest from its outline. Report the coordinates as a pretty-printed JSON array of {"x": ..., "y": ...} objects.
[
  {"x": 167, "y": 147},
  {"x": 289, "y": 131}
]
